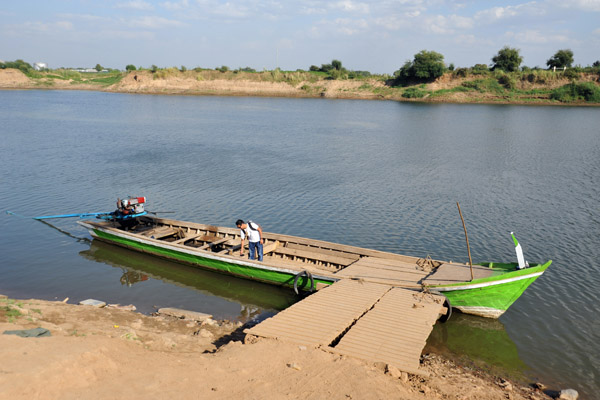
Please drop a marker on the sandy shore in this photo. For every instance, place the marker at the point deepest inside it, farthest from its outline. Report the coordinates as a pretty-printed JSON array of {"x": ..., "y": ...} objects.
[{"x": 108, "y": 353}]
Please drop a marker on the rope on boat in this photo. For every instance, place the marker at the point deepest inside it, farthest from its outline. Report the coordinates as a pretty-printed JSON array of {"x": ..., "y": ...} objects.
[{"x": 308, "y": 275}]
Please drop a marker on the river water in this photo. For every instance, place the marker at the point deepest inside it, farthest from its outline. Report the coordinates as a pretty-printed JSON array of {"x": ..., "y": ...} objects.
[{"x": 382, "y": 175}]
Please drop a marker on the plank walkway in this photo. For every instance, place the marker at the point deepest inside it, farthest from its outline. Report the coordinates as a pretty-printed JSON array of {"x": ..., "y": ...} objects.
[
  {"x": 367, "y": 320},
  {"x": 391, "y": 272}
]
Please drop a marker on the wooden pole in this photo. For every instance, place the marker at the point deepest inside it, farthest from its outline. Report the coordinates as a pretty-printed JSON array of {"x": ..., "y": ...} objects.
[{"x": 467, "y": 238}]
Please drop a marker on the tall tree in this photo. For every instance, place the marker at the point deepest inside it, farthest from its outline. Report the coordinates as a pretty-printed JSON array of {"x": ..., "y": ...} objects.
[
  {"x": 426, "y": 65},
  {"x": 562, "y": 58},
  {"x": 507, "y": 59}
]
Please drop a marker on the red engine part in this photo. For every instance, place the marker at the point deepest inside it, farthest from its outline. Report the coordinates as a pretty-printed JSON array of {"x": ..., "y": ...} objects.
[{"x": 132, "y": 201}]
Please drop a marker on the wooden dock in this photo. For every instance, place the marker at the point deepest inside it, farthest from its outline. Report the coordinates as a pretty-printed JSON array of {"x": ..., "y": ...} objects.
[{"x": 367, "y": 320}]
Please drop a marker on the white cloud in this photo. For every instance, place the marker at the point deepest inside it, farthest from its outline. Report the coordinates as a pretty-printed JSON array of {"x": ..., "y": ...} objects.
[
  {"x": 136, "y": 5},
  {"x": 230, "y": 10},
  {"x": 446, "y": 25},
  {"x": 121, "y": 34},
  {"x": 312, "y": 11},
  {"x": 85, "y": 17},
  {"x": 347, "y": 26},
  {"x": 596, "y": 32},
  {"x": 351, "y": 6},
  {"x": 46, "y": 27},
  {"x": 498, "y": 13},
  {"x": 537, "y": 37},
  {"x": 153, "y": 22},
  {"x": 176, "y": 6},
  {"x": 584, "y": 5}
]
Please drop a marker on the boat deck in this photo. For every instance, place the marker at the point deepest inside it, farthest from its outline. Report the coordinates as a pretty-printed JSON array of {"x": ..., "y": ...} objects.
[
  {"x": 366, "y": 320},
  {"x": 391, "y": 272},
  {"x": 447, "y": 274}
]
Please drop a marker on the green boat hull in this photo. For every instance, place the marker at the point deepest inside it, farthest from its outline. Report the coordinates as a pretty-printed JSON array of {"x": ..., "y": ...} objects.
[
  {"x": 487, "y": 297},
  {"x": 247, "y": 270},
  {"x": 491, "y": 297}
]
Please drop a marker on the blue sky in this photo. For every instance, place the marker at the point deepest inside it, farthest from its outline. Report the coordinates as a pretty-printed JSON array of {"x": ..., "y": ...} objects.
[{"x": 377, "y": 36}]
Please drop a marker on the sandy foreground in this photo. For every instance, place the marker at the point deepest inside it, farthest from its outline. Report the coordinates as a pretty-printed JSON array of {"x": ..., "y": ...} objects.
[{"x": 108, "y": 353}]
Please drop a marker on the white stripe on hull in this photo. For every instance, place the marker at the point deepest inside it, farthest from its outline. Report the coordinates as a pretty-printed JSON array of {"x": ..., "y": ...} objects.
[{"x": 484, "y": 284}]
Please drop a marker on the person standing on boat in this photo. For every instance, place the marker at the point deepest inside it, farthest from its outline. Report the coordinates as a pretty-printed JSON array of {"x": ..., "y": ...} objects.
[{"x": 255, "y": 238}]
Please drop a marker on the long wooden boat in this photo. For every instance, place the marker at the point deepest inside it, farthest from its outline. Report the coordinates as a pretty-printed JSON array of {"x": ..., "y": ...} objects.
[{"x": 308, "y": 264}]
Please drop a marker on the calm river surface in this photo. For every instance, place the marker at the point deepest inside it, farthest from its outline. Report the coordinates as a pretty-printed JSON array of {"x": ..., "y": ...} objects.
[{"x": 382, "y": 175}]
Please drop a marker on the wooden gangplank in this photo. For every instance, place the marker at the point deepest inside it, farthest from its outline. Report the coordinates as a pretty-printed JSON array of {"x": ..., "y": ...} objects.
[
  {"x": 391, "y": 272},
  {"x": 322, "y": 317},
  {"x": 367, "y": 320},
  {"x": 395, "y": 330}
]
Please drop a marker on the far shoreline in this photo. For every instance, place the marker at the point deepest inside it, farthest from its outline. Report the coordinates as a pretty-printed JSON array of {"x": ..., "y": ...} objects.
[{"x": 445, "y": 90}]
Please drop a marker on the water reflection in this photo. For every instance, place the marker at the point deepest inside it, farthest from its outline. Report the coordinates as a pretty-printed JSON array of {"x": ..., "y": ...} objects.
[
  {"x": 481, "y": 341},
  {"x": 254, "y": 298}
]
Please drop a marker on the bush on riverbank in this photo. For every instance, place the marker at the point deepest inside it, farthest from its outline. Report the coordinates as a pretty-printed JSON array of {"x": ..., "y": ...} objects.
[{"x": 586, "y": 91}]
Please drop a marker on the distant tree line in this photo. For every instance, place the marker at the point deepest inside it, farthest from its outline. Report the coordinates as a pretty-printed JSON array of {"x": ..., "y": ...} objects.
[
  {"x": 18, "y": 64},
  {"x": 335, "y": 70},
  {"x": 426, "y": 65}
]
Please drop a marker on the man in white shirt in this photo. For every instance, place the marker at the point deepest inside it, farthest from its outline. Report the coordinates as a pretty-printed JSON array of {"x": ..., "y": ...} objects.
[{"x": 255, "y": 238}]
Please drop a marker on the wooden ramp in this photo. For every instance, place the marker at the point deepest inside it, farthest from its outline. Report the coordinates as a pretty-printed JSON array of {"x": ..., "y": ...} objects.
[
  {"x": 366, "y": 320},
  {"x": 380, "y": 270}
]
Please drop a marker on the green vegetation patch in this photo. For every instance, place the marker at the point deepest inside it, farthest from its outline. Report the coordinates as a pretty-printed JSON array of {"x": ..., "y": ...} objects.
[
  {"x": 107, "y": 80},
  {"x": 584, "y": 91},
  {"x": 457, "y": 89},
  {"x": 485, "y": 85},
  {"x": 414, "y": 93}
]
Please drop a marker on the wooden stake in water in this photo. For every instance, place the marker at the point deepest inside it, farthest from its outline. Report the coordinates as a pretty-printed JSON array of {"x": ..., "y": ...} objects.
[{"x": 466, "y": 237}]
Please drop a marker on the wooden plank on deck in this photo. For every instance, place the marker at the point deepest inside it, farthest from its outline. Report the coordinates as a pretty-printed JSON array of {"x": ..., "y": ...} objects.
[
  {"x": 448, "y": 273},
  {"x": 391, "y": 272}
]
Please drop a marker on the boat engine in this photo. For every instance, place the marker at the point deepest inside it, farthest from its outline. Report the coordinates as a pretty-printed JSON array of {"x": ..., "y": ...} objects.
[
  {"x": 128, "y": 210},
  {"x": 134, "y": 204}
]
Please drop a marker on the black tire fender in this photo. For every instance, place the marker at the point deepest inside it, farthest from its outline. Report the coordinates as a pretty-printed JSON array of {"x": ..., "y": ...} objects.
[
  {"x": 309, "y": 276},
  {"x": 448, "y": 314}
]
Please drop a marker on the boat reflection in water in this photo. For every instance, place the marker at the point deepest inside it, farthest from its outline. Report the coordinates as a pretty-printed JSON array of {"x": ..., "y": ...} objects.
[
  {"x": 255, "y": 299},
  {"x": 479, "y": 341}
]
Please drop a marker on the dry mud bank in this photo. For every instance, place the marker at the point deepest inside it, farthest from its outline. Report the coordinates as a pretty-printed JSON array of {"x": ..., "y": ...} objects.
[
  {"x": 102, "y": 353},
  {"x": 442, "y": 90}
]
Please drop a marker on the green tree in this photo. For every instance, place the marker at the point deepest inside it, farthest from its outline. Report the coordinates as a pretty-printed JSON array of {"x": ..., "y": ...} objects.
[
  {"x": 183, "y": 68},
  {"x": 99, "y": 67},
  {"x": 153, "y": 68},
  {"x": 337, "y": 65},
  {"x": 507, "y": 59},
  {"x": 426, "y": 66},
  {"x": 326, "y": 67},
  {"x": 562, "y": 58},
  {"x": 130, "y": 67}
]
